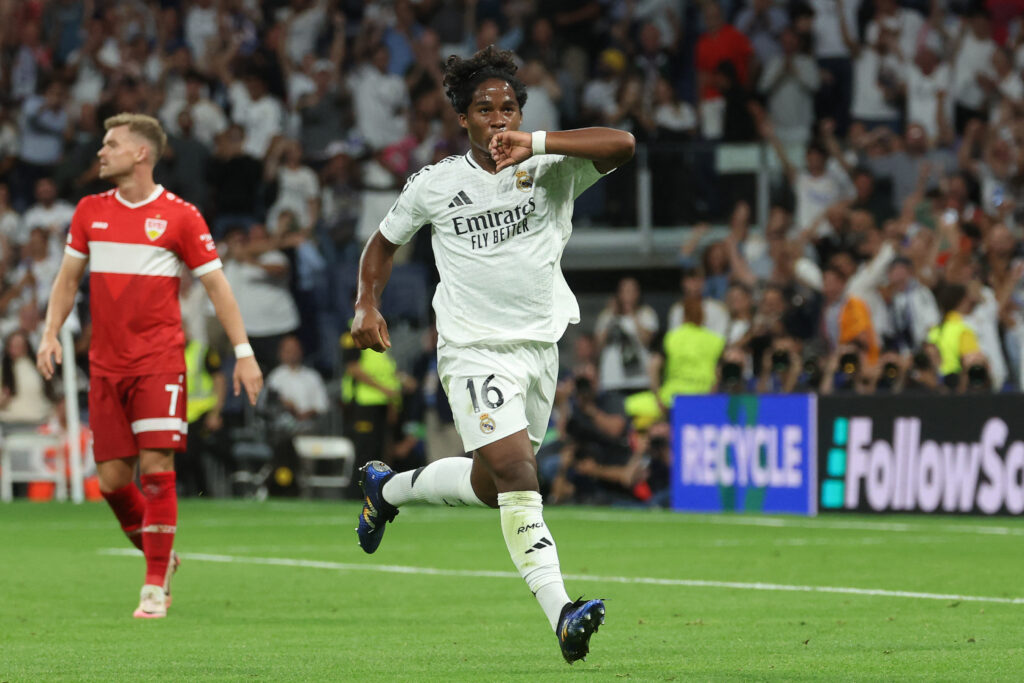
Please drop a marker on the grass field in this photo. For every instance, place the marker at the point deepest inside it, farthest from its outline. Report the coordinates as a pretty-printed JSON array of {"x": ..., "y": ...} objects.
[{"x": 280, "y": 591}]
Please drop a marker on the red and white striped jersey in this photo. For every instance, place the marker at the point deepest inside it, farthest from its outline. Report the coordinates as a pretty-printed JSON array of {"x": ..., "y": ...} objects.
[{"x": 135, "y": 254}]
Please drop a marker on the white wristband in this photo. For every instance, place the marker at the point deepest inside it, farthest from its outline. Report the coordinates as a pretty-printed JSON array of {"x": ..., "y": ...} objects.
[
  {"x": 243, "y": 351},
  {"x": 539, "y": 140}
]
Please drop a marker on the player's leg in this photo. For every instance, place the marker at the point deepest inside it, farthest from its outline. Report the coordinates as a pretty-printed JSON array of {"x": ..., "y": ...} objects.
[
  {"x": 115, "y": 453},
  {"x": 513, "y": 471},
  {"x": 161, "y": 518},
  {"x": 117, "y": 484},
  {"x": 156, "y": 406}
]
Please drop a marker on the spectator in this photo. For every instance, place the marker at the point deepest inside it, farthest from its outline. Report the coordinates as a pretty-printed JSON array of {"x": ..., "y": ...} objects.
[
  {"x": 78, "y": 173},
  {"x": 624, "y": 331},
  {"x": 298, "y": 188},
  {"x": 953, "y": 337},
  {"x": 43, "y": 123},
  {"x": 233, "y": 177},
  {"x": 816, "y": 187},
  {"x": 878, "y": 74},
  {"x": 846, "y": 319},
  {"x": 258, "y": 273},
  {"x": 714, "y": 316},
  {"x": 833, "y": 55},
  {"x": 740, "y": 304},
  {"x": 400, "y": 38},
  {"x": 789, "y": 81},
  {"x": 544, "y": 94},
  {"x": 188, "y": 159},
  {"x": 600, "y": 93},
  {"x": 719, "y": 43},
  {"x": 972, "y": 58},
  {"x": 10, "y": 223},
  {"x": 8, "y": 140},
  {"x": 689, "y": 360},
  {"x": 299, "y": 390},
  {"x": 1004, "y": 89},
  {"x": 260, "y": 113},
  {"x": 917, "y": 164},
  {"x": 380, "y": 100},
  {"x": 206, "y": 118},
  {"x": 200, "y": 28},
  {"x": 50, "y": 213},
  {"x": 25, "y": 397},
  {"x": 910, "y": 310},
  {"x": 928, "y": 103},
  {"x": 764, "y": 23}
]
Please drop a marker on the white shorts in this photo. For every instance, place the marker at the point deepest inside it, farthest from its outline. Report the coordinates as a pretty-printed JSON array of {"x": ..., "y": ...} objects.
[{"x": 496, "y": 391}]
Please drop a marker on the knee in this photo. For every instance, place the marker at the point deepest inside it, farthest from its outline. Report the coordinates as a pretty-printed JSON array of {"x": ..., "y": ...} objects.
[{"x": 517, "y": 475}]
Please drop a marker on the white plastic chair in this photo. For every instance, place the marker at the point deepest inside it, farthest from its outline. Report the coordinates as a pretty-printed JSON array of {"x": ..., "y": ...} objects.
[
  {"x": 313, "y": 448},
  {"x": 23, "y": 459}
]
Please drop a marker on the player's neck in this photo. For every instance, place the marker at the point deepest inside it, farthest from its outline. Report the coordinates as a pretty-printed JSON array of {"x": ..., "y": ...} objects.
[
  {"x": 483, "y": 159},
  {"x": 135, "y": 188}
]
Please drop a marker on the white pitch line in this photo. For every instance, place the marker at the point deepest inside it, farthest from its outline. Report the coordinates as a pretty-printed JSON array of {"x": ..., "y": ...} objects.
[{"x": 472, "y": 573}]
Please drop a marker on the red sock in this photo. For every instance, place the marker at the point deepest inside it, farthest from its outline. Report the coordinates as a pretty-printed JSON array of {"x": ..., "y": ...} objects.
[
  {"x": 158, "y": 524},
  {"x": 128, "y": 506}
]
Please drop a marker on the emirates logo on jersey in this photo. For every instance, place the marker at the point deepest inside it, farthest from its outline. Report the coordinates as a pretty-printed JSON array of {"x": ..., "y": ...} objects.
[{"x": 154, "y": 228}]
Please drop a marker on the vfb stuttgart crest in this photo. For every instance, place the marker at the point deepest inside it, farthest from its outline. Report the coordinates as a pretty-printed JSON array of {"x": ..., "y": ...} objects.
[
  {"x": 487, "y": 424},
  {"x": 524, "y": 181},
  {"x": 154, "y": 228}
]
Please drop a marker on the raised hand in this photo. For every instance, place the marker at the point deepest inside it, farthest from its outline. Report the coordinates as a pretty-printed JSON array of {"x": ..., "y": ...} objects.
[{"x": 510, "y": 148}]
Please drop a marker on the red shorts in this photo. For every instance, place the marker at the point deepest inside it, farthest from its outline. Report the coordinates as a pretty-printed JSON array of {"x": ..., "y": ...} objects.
[{"x": 129, "y": 413}]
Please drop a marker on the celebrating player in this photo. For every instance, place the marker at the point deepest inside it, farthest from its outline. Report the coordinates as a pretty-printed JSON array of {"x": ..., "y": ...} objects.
[
  {"x": 500, "y": 217},
  {"x": 134, "y": 239}
]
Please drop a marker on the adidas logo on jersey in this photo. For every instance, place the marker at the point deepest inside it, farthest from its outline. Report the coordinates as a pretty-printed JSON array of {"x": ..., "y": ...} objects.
[{"x": 461, "y": 199}]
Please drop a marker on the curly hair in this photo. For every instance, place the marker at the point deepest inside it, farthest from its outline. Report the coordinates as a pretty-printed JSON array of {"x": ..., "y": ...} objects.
[{"x": 462, "y": 76}]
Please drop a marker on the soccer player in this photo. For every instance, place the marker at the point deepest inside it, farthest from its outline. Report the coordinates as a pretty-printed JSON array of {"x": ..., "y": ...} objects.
[
  {"x": 134, "y": 239},
  {"x": 500, "y": 217}
]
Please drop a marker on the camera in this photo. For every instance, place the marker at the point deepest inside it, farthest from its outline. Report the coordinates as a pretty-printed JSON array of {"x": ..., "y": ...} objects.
[
  {"x": 849, "y": 363},
  {"x": 780, "y": 361}
]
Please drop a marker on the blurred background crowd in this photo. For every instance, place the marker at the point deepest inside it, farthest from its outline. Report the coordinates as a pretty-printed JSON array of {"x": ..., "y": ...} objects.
[{"x": 882, "y": 255}]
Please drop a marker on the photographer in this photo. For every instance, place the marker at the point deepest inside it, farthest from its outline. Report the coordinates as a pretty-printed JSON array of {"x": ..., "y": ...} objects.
[
  {"x": 953, "y": 338},
  {"x": 780, "y": 367},
  {"x": 624, "y": 330}
]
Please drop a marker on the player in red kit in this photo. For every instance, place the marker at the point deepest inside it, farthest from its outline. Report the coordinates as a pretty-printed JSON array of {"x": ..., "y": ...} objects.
[{"x": 136, "y": 239}]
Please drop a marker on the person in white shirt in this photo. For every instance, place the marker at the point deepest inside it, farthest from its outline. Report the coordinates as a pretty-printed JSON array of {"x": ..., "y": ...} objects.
[
  {"x": 972, "y": 58},
  {"x": 257, "y": 111},
  {"x": 49, "y": 212},
  {"x": 624, "y": 330},
  {"x": 833, "y": 100},
  {"x": 501, "y": 216},
  {"x": 877, "y": 75},
  {"x": 928, "y": 103},
  {"x": 299, "y": 388},
  {"x": 789, "y": 81},
  {"x": 380, "y": 101}
]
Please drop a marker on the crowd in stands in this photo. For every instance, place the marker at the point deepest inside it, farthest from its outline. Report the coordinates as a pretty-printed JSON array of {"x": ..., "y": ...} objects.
[{"x": 891, "y": 259}]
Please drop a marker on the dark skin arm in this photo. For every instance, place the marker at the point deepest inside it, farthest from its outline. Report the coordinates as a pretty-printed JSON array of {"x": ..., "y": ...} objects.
[
  {"x": 608, "y": 148},
  {"x": 369, "y": 331}
]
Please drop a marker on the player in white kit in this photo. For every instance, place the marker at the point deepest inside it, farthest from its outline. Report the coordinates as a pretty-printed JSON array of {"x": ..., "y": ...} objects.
[{"x": 500, "y": 217}]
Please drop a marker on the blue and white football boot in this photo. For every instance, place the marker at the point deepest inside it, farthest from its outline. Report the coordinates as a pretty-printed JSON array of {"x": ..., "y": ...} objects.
[
  {"x": 578, "y": 622},
  {"x": 376, "y": 511}
]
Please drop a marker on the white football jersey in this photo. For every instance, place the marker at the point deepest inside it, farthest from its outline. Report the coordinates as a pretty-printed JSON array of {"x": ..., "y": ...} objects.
[{"x": 498, "y": 241}]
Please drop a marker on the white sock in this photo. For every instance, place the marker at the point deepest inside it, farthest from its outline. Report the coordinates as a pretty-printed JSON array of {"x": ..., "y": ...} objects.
[
  {"x": 533, "y": 550},
  {"x": 442, "y": 482}
]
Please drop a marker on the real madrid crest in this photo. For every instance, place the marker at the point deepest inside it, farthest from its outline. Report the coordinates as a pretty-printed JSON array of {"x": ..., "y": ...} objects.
[
  {"x": 155, "y": 227},
  {"x": 524, "y": 181},
  {"x": 486, "y": 423}
]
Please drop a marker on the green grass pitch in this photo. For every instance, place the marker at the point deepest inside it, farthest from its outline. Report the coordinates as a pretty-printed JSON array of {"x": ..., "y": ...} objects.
[{"x": 280, "y": 591}]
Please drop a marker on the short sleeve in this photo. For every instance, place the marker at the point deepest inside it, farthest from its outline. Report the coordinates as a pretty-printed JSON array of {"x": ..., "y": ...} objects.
[
  {"x": 580, "y": 173},
  {"x": 196, "y": 247},
  {"x": 407, "y": 214},
  {"x": 78, "y": 240}
]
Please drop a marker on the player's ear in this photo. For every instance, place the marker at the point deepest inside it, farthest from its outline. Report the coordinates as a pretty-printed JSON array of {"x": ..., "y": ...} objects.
[{"x": 463, "y": 121}]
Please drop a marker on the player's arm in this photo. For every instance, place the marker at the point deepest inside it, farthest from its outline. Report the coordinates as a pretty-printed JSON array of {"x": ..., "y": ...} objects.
[
  {"x": 247, "y": 372},
  {"x": 608, "y": 148},
  {"x": 369, "y": 331},
  {"x": 62, "y": 299}
]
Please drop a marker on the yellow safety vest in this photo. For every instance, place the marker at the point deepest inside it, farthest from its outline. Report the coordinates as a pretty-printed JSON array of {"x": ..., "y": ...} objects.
[
  {"x": 382, "y": 369},
  {"x": 198, "y": 382},
  {"x": 691, "y": 356},
  {"x": 954, "y": 339}
]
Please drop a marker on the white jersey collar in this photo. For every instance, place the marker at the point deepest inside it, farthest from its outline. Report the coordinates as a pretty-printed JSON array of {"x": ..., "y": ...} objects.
[
  {"x": 134, "y": 205},
  {"x": 473, "y": 162}
]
